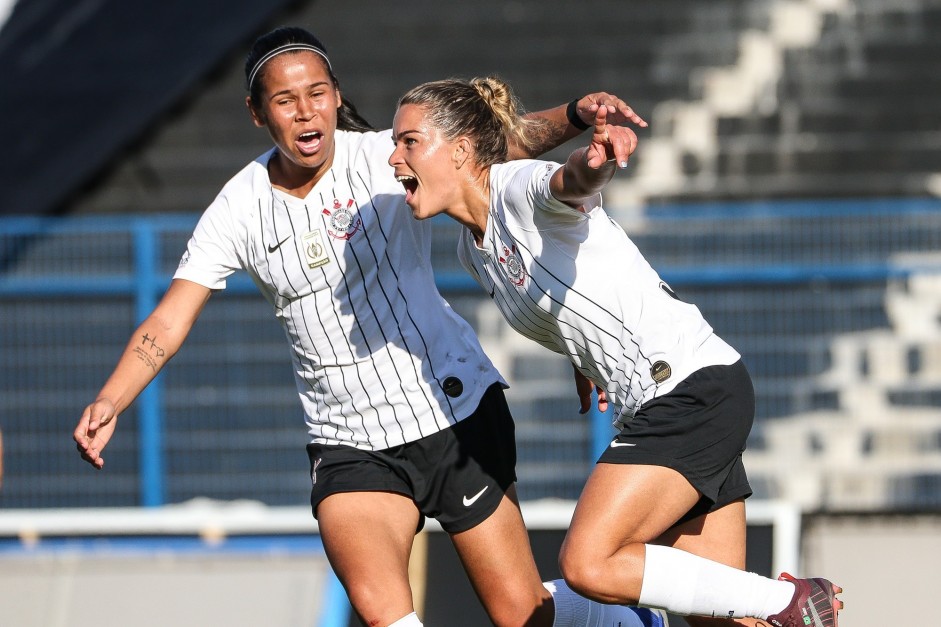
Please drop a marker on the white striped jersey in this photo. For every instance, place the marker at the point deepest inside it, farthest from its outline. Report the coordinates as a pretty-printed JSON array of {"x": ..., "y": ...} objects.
[
  {"x": 347, "y": 270},
  {"x": 575, "y": 283}
]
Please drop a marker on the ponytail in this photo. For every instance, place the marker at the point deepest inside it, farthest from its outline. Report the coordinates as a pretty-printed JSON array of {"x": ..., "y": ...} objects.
[{"x": 483, "y": 109}]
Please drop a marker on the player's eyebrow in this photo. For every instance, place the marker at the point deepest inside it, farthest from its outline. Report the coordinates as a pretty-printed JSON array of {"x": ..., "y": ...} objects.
[{"x": 403, "y": 133}]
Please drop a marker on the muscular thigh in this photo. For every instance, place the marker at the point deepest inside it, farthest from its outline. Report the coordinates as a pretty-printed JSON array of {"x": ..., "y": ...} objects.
[
  {"x": 624, "y": 504},
  {"x": 368, "y": 537}
]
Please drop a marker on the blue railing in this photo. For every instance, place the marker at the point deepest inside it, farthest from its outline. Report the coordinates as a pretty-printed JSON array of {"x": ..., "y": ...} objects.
[{"x": 704, "y": 247}]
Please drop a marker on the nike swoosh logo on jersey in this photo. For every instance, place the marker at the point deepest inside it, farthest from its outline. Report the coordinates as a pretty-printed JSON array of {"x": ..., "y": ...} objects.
[
  {"x": 470, "y": 501},
  {"x": 616, "y": 444},
  {"x": 272, "y": 248}
]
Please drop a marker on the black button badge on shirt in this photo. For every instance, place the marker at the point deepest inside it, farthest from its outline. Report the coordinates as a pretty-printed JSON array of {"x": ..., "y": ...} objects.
[{"x": 453, "y": 387}]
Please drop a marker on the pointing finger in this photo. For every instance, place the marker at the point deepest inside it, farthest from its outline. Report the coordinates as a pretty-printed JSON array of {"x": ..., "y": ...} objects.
[{"x": 601, "y": 124}]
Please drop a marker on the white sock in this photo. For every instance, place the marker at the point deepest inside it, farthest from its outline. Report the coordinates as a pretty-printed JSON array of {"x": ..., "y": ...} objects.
[
  {"x": 572, "y": 610},
  {"x": 683, "y": 583},
  {"x": 407, "y": 621}
]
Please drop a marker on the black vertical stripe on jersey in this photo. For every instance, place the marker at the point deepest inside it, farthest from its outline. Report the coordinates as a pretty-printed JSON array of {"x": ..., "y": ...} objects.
[
  {"x": 303, "y": 317},
  {"x": 356, "y": 365},
  {"x": 578, "y": 337},
  {"x": 431, "y": 364},
  {"x": 520, "y": 307},
  {"x": 591, "y": 303},
  {"x": 311, "y": 219},
  {"x": 517, "y": 309},
  {"x": 514, "y": 313},
  {"x": 523, "y": 304},
  {"x": 616, "y": 359},
  {"x": 402, "y": 336},
  {"x": 613, "y": 317},
  {"x": 532, "y": 327},
  {"x": 616, "y": 319},
  {"x": 357, "y": 317},
  {"x": 523, "y": 319},
  {"x": 481, "y": 272},
  {"x": 287, "y": 320},
  {"x": 503, "y": 231}
]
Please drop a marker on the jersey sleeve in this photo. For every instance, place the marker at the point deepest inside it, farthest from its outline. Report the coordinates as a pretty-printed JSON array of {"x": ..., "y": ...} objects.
[
  {"x": 213, "y": 250},
  {"x": 544, "y": 200},
  {"x": 527, "y": 192}
]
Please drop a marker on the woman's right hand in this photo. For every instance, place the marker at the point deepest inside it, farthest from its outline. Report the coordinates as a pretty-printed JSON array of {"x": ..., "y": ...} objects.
[
  {"x": 94, "y": 430},
  {"x": 609, "y": 142}
]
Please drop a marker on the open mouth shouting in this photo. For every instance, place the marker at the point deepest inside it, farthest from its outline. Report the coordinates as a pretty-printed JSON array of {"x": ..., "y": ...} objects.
[
  {"x": 308, "y": 143},
  {"x": 410, "y": 183}
]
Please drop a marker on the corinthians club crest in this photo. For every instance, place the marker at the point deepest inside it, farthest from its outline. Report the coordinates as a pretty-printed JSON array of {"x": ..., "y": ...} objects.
[
  {"x": 513, "y": 266},
  {"x": 342, "y": 223}
]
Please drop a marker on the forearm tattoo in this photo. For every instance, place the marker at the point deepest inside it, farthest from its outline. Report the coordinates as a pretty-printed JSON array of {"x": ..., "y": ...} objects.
[
  {"x": 149, "y": 352},
  {"x": 545, "y": 135}
]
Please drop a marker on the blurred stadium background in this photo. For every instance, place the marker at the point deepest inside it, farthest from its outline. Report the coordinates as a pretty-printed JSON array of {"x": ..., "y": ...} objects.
[{"x": 788, "y": 184}]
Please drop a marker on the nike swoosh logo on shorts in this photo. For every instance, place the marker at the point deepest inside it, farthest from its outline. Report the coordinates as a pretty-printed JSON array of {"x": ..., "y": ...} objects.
[
  {"x": 616, "y": 444},
  {"x": 470, "y": 501}
]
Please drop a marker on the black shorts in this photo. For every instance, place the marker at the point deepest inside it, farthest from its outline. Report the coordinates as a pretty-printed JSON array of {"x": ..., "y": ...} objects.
[
  {"x": 698, "y": 429},
  {"x": 457, "y": 476}
]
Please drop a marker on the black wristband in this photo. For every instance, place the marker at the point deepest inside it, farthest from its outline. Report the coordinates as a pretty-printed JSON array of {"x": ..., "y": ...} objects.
[{"x": 571, "y": 112}]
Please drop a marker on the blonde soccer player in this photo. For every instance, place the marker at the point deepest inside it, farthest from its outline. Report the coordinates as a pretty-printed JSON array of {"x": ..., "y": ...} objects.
[{"x": 661, "y": 520}]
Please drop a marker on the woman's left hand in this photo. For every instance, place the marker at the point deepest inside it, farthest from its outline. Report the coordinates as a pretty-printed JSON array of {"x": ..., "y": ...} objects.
[{"x": 619, "y": 112}]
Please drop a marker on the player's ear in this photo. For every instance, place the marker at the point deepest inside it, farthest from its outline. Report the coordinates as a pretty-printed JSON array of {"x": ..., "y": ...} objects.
[
  {"x": 257, "y": 117},
  {"x": 463, "y": 149}
]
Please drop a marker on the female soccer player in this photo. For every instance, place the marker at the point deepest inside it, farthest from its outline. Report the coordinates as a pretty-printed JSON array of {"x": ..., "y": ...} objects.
[
  {"x": 661, "y": 521},
  {"x": 406, "y": 414}
]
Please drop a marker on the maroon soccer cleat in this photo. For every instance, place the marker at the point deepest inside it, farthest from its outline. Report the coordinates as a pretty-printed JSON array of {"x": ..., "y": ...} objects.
[{"x": 814, "y": 604}]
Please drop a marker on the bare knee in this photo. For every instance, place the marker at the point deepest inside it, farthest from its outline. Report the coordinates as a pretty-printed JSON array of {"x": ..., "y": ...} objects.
[
  {"x": 581, "y": 575},
  {"x": 379, "y": 604},
  {"x": 614, "y": 578},
  {"x": 521, "y": 608}
]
